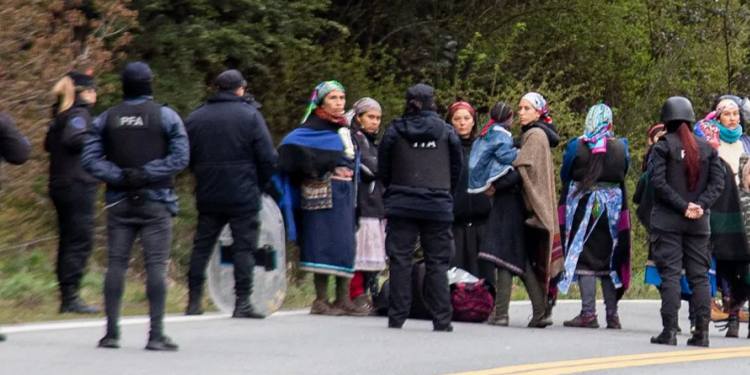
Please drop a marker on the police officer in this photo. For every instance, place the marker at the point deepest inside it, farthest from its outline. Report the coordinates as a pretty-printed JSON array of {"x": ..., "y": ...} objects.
[
  {"x": 233, "y": 158},
  {"x": 687, "y": 178},
  {"x": 14, "y": 148},
  {"x": 72, "y": 190},
  {"x": 420, "y": 165},
  {"x": 136, "y": 148}
]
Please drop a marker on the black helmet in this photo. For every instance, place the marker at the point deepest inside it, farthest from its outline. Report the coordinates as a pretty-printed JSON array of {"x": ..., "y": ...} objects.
[{"x": 677, "y": 108}]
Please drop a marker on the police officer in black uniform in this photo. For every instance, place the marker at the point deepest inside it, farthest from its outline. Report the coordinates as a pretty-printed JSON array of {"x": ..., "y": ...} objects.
[
  {"x": 688, "y": 178},
  {"x": 72, "y": 190},
  {"x": 14, "y": 148},
  {"x": 233, "y": 158},
  {"x": 420, "y": 165},
  {"x": 136, "y": 148}
]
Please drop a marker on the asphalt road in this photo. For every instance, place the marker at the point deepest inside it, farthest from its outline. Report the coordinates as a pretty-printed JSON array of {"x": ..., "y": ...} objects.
[{"x": 297, "y": 343}]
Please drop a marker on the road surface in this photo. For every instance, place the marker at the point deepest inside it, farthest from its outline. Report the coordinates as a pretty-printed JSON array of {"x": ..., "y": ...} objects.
[{"x": 297, "y": 343}]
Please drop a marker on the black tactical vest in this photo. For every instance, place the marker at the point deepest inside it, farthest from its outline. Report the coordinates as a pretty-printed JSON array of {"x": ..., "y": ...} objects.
[
  {"x": 422, "y": 164},
  {"x": 676, "y": 177},
  {"x": 133, "y": 136}
]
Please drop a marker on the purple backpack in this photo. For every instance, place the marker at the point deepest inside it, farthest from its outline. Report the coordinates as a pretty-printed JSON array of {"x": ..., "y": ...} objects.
[{"x": 471, "y": 302}]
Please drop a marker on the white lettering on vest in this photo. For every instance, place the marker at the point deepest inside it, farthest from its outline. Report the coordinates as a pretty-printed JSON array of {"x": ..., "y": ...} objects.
[
  {"x": 131, "y": 121},
  {"x": 430, "y": 144}
]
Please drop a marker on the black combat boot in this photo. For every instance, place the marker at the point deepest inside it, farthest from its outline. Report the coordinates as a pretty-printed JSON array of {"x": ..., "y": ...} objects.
[
  {"x": 110, "y": 341},
  {"x": 244, "y": 309},
  {"x": 2, "y": 337},
  {"x": 700, "y": 337},
  {"x": 668, "y": 335},
  {"x": 194, "y": 306},
  {"x": 72, "y": 303},
  {"x": 733, "y": 327}
]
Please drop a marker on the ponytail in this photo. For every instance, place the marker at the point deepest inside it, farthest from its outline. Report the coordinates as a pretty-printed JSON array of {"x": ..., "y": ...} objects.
[
  {"x": 65, "y": 93},
  {"x": 692, "y": 158}
]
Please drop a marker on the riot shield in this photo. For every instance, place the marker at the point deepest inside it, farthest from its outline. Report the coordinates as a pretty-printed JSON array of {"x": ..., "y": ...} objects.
[{"x": 269, "y": 280}]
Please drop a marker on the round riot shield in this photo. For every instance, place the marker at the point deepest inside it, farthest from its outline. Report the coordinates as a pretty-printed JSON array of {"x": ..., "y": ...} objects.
[{"x": 269, "y": 276}]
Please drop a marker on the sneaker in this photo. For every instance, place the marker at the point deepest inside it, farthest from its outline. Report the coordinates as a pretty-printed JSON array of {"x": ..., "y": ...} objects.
[
  {"x": 322, "y": 307},
  {"x": 540, "y": 322},
  {"x": 163, "y": 343},
  {"x": 581, "y": 321}
]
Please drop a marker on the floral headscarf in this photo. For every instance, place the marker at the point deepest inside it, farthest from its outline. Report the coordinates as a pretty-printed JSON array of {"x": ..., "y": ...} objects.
[
  {"x": 598, "y": 128},
  {"x": 540, "y": 104}
]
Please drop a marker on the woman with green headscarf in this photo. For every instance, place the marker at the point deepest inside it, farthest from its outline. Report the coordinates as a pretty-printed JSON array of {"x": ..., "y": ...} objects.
[{"x": 319, "y": 161}]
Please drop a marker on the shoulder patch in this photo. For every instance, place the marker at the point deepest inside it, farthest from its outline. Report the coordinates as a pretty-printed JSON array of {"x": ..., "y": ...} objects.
[{"x": 78, "y": 123}]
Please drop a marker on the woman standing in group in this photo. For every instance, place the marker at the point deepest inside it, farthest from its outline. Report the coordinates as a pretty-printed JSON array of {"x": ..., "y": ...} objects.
[
  {"x": 319, "y": 158},
  {"x": 470, "y": 211},
  {"x": 364, "y": 118},
  {"x": 688, "y": 178},
  {"x": 729, "y": 241},
  {"x": 73, "y": 191},
  {"x": 597, "y": 221}
]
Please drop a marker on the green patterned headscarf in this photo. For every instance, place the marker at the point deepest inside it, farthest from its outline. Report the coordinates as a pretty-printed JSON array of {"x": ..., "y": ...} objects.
[{"x": 323, "y": 89}]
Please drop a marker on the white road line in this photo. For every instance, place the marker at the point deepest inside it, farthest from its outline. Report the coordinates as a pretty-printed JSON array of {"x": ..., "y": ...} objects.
[{"x": 91, "y": 323}]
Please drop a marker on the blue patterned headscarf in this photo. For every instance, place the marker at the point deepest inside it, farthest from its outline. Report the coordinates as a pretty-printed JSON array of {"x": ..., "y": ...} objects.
[
  {"x": 598, "y": 128},
  {"x": 321, "y": 90}
]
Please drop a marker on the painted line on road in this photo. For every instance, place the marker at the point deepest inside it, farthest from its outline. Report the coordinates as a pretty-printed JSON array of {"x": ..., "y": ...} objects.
[
  {"x": 616, "y": 362},
  {"x": 94, "y": 323},
  {"x": 90, "y": 323}
]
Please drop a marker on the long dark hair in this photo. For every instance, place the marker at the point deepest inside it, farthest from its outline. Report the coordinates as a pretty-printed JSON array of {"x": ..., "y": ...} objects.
[{"x": 594, "y": 170}]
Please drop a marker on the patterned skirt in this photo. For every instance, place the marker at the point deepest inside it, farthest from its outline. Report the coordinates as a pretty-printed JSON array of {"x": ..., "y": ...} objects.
[{"x": 370, "y": 245}]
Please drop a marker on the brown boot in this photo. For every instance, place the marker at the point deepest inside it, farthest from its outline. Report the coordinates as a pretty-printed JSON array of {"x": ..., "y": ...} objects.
[
  {"x": 343, "y": 301},
  {"x": 500, "y": 320},
  {"x": 322, "y": 307}
]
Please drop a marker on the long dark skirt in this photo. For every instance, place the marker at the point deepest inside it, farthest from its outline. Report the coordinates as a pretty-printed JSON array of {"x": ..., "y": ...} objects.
[
  {"x": 505, "y": 241},
  {"x": 597, "y": 250},
  {"x": 327, "y": 245}
]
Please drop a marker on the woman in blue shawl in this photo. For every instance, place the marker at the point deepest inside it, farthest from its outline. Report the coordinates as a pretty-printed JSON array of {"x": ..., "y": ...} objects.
[
  {"x": 319, "y": 164},
  {"x": 595, "y": 218}
]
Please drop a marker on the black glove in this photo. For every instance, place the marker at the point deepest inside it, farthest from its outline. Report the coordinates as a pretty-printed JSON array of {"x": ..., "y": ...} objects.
[{"x": 135, "y": 178}]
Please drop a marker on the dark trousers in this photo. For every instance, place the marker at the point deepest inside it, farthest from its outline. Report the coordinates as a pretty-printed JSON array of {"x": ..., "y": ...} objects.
[
  {"x": 74, "y": 204},
  {"x": 153, "y": 223},
  {"x": 672, "y": 252},
  {"x": 436, "y": 238},
  {"x": 244, "y": 227},
  {"x": 587, "y": 284}
]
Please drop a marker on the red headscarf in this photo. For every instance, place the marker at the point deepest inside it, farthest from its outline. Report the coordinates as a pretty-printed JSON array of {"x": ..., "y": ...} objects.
[{"x": 455, "y": 107}]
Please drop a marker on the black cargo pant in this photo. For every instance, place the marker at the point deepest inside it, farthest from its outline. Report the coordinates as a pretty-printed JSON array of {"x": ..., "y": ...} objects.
[
  {"x": 152, "y": 221},
  {"x": 437, "y": 244},
  {"x": 74, "y": 203},
  {"x": 244, "y": 227},
  {"x": 672, "y": 252}
]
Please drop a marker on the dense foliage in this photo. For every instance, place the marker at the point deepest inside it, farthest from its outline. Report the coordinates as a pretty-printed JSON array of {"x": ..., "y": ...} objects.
[{"x": 630, "y": 54}]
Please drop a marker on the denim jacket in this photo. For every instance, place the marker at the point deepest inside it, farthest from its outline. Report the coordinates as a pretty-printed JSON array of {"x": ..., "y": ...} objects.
[{"x": 491, "y": 158}]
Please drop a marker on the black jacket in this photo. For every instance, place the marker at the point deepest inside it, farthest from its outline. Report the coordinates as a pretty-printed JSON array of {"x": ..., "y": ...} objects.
[
  {"x": 14, "y": 147},
  {"x": 667, "y": 174},
  {"x": 370, "y": 189},
  {"x": 64, "y": 143},
  {"x": 231, "y": 154},
  {"x": 469, "y": 208},
  {"x": 419, "y": 202}
]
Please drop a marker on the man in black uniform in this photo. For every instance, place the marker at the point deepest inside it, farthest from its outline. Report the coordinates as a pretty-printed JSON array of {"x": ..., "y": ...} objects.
[
  {"x": 72, "y": 190},
  {"x": 688, "y": 178},
  {"x": 233, "y": 158},
  {"x": 14, "y": 148},
  {"x": 420, "y": 165},
  {"x": 136, "y": 148}
]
